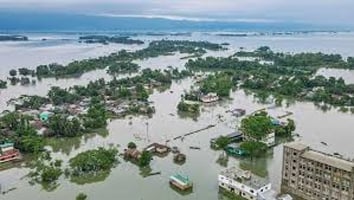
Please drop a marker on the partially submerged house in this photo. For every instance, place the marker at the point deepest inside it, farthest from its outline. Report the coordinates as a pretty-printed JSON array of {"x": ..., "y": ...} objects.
[
  {"x": 243, "y": 183},
  {"x": 45, "y": 115},
  {"x": 8, "y": 152},
  {"x": 132, "y": 153},
  {"x": 158, "y": 149},
  {"x": 268, "y": 139},
  {"x": 181, "y": 182},
  {"x": 210, "y": 98}
]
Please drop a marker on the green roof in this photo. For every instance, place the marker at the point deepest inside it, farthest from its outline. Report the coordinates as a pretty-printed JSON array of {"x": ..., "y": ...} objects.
[{"x": 183, "y": 180}]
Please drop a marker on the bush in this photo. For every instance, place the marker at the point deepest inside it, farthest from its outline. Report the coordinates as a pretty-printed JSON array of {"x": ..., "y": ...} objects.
[{"x": 81, "y": 196}]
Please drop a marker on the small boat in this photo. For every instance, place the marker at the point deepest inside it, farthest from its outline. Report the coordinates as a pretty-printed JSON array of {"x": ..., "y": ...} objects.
[
  {"x": 238, "y": 112},
  {"x": 324, "y": 143},
  {"x": 194, "y": 147},
  {"x": 153, "y": 174}
]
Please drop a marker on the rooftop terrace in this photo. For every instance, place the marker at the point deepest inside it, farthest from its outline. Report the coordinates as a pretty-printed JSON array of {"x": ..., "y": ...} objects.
[{"x": 245, "y": 177}]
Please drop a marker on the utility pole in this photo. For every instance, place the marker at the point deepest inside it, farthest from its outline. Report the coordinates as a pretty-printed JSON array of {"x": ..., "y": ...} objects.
[{"x": 147, "y": 131}]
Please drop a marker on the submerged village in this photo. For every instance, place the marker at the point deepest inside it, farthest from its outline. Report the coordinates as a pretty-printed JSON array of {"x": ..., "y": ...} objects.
[{"x": 32, "y": 124}]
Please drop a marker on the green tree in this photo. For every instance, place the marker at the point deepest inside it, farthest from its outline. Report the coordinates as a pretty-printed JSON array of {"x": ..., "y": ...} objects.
[
  {"x": 222, "y": 142},
  {"x": 96, "y": 116},
  {"x": 131, "y": 145},
  {"x": 254, "y": 148},
  {"x": 10, "y": 120},
  {"x": 257, "y": 126},
  {"x": 50, "y": 174},
  {"x": 81, "y": 196},
  {"x": 93, "y": 161},
  {"x": 13, "y": 72},
  {"x": 62, "y": 125},
  {"x": 145, "y": 159}
]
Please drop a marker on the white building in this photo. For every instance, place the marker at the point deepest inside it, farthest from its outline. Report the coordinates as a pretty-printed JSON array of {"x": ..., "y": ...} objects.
[
  {"x": 269, "y": 139},
  {"x": 244, "y": 184},
  {"x": 209, "y": 98}
]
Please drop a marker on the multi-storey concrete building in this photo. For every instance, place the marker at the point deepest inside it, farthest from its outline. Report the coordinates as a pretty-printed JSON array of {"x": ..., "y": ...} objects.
[{"x": 310, "y": 174}]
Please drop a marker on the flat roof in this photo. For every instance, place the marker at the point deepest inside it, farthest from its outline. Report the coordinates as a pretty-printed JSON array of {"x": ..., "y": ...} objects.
[
  {"x": 182, "y": 180},
  {"x": 296, "y": 145},
  {"x": 329, "y": 160},
  {"x": 255, "y": 182}
]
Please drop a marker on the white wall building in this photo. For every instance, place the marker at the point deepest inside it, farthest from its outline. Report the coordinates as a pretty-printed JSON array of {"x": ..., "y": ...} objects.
[{"x": 243, "y": 183}]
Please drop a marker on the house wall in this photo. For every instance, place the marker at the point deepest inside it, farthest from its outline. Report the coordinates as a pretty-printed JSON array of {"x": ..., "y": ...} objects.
[{"x": 240, "y": 189}]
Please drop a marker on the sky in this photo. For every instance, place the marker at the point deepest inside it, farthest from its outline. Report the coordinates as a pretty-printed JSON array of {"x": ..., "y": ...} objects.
[{"x": 332, "y": 12}]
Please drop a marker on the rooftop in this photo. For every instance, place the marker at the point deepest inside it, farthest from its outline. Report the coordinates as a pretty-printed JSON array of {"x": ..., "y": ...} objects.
[
  {"x": 329, "y": 160},
  {"x": 234, "y": 134},
  {"x": 183, "y": 180},
  {"x": 245, "y": 177},
  {"x": 296, "y": 145}
]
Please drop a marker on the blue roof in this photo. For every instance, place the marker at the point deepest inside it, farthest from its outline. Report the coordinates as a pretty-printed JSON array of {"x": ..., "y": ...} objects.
[{"x": 5, "y": 145}]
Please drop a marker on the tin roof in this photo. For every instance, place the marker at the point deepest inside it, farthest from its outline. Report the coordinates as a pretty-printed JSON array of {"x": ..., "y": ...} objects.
[{"x": 183, "y": 180}]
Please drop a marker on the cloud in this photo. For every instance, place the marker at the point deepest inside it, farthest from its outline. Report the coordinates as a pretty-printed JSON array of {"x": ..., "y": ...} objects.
[
  {"x": 314, "y": 11},
  {"x": 182, "y": 18}
]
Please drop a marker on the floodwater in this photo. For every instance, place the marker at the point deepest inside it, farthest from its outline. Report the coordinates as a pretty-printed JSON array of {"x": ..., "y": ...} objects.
[{"x": 125, "y": 181}]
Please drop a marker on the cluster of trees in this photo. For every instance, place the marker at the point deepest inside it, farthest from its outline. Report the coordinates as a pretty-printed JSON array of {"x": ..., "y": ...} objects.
[
  {"x": 3, "y": 84},
  {"x": 31, "y": 102},
  {"x": 60, "y": 96},
  {"x": 132, "y": 88},
  {"x": 16, "y": 128},
  {"x": 192, "y": 108},
  {"x": 289, "y": 77},
  {"x": 96, "y": 116},
  {"x": 299, "y": 59},
  {"x": 219, "y": 83},
  {"x": 254, "y": 148},
  {"x": 145, "y": 159},
  {"x": 256, "y": 127},
  {"x": 260, "y": 124},
  {"x": 22, "y": 71},
  {"x": 61, "y": 125},
  {"x": 122, "y": 67},
  {"x": 155, "y": 49},
  {"x": 47, "y": 172},
  {"x": 92, "y": 162},
  {"x": 103, "y": 39},
  {"x": 81, "y": 196}
]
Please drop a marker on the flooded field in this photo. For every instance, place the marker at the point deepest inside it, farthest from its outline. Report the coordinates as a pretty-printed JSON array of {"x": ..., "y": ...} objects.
[{"x": 126, "y": 182}]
